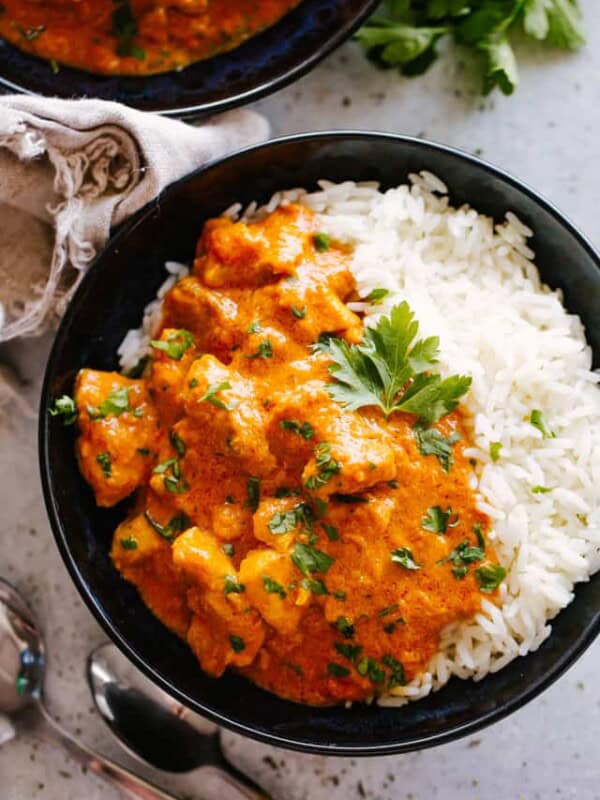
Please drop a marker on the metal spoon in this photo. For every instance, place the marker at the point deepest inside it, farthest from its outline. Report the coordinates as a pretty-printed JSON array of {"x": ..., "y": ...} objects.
[
  {"x": 156, "y": 728},
  {"x": 22, "y": 665}
]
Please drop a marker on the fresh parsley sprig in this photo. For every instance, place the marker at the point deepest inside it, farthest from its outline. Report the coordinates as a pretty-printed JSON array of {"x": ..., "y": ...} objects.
[
  {"x": 392, "y": 371},
  {"x": 406, "y": 33}
]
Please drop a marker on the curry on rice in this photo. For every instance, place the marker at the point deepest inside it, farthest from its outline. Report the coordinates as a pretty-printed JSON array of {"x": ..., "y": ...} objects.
[
  {"x": 134, "y": 37},
  {"x": 304, "y": 510}
]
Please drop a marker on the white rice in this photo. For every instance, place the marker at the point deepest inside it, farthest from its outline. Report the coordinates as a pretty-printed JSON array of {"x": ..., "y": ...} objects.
[{"x": 474, "y": 284}]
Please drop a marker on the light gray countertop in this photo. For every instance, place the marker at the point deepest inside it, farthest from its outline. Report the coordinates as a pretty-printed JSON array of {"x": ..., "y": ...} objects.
[{"x": 547, "y": 135}]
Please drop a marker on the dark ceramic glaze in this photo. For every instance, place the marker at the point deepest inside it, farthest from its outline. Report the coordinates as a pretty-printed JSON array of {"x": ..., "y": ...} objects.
[
  {"x": 263, "y": 64},
  {"x": 110, "y": 301}
]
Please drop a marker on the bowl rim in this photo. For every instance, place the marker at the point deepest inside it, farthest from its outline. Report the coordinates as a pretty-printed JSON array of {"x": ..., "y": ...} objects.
[
  {"x": 266, "y": 87},
  {"x": 487, "y": 717}
]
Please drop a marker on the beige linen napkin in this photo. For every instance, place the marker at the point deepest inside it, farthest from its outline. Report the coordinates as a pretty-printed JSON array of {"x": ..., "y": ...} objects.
[{"x": 72, "y": 169}]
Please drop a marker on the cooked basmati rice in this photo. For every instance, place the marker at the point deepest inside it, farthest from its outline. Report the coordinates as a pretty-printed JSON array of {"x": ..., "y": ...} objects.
[{"x": 474, "y": 284}]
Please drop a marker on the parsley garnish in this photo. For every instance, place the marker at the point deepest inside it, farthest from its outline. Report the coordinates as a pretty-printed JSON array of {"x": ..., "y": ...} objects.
[
  {"x": 438, "y": 521},
  {"x": 284, "y": 491},
  {"x": 286, "y": 521},
  {"x": 264, "y": 350},
  {"x": 495, "y": 448},
  {"x": 345, "y": 627},
  {"x": 228, "y": 549},
  {"x": 299, "y": 313},
  {"x": 405, "y": 558},
  {"x": 309, "y": 559},
  {"x": 173, "y": 481},
  {"x": 303, "y": 429},
  {"x": 115, "y": 404},
  {"x": 65, "y": 408},
  {"x": 252, "y": 493},
  {"x": 432, "y": 443},
  {"x": 349, "y": 651},
  {"x": 538, "y": 421},
  {"x": 388, "y": 610},
  {"x": 327, "y": 467},
  {"x": 337, "y": 670},
  {"x": 397, "y": 671},
  {"x": 210, "y": 396},
  {"x": 237, "y": 643},
  {"x": 339, "y": 594},
  {"x": 489, "y": 577},
  {"x": 105, "y": 463},
  {"x": 178, "y": 443},
  {"x": 370, "y": 668},
  {"x": 377, "y": 296},
  {"x": 331, "y": 532},
  {"x": 315, "y": 585},
  {"x": 541, "y": 489},
  {"x": 178, "y": 342},
  {"x": 392, "y": 371},
  {"x": 129, "y": 543},
  {"x": 177, "y": 524},
  {"x": 233, "y": 586},
  {"x": 254, "y": 327},
  {"x": 464, "y": 553},
  {"x": 272, "y": 587},
  {"x": 322, "y": 242}
]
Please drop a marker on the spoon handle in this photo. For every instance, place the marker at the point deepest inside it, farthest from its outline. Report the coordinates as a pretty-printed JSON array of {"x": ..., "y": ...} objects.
[{"x": 130, "y": 785}]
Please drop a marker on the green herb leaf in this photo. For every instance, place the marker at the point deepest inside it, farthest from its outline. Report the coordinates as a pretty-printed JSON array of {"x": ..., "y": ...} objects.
[
  {"x": 115, "y": 404},
  {"x": 344, "y": 626},
  {"x": 495, "y": 448},
  {"x": 331, "y": 532},
  {"x": 404, "y": 557},
  {"x": 210, "y": 396},
  {"x": 254, "y": 327},
  {"x": 272, "y": 587},
  {"x": 253, "y": 493},
  {"x": 489, "y": 577},
  {"x": 432, "y": 443},
  {"x": 309, "y": 559},
  {"x": 233, "y": 586},
  {"x": 327, "y": 467},
  {"x": 315, "y": 585},
  {"x": 286, "y": 521},
  {"x": 463, "y": 554},
  {"x": 65, "y": 408},
  {"x": 303, "y": 429},
  {"x": 388, "y": 610},
  {"x": 228, "y": 549},
  {"x": 377, "y": 296},
  {"x": 370, "y": 668},
  {"x": 392, "y": 371},
  {"x": 322, "y": 242},
  {"x": 438, "y": 521},
  {"x": 177, "y": 343},
  {"x": 337, "y": 670},
  {"x": 105, "y": 462},
  {"x": 178, "y": 443},
  {"x": 541, "y": 489},
  {"x": 349, "y": 651},
  {"x": 237, "y": 643},
  {"x": 340, "y": 594},
  {"x": 264, "y": 350},
  {"x": 477, "y": 530},
  {"x": 299, "y": 313},
  {"x": 129, "y": 543},
  {"x": 397, "y": 671},
  {"x": 538, "y": 421},
  {"x": 284, "y": 491}
]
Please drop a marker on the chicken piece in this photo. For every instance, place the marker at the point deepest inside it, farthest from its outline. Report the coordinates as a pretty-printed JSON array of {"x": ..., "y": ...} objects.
[
  {"x": 267, "y": 576},
  {"x": 240, "y": 254},
  {"x": 198, "y": 553},
  {"x": 221, "y": 399},
  {"x": 211, "y": 316},
  {"x": 230, "y": 521},
  {"x": 278, "y": 521},
  {"x": 118, "y": 433},
  {"x": 143, "y": 558},
  {"x": 169, "y": 368}
]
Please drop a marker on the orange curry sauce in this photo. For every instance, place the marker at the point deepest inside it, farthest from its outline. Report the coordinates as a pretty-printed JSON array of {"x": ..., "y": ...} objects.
[
  {"x": 221, "y": 436},
  {"x": 134, "y": 37}
]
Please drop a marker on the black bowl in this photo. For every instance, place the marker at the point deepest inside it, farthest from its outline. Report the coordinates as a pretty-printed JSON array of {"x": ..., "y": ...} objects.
[
  {"x": 110, "y": 300},
  {"x": 266, "y": 62}
]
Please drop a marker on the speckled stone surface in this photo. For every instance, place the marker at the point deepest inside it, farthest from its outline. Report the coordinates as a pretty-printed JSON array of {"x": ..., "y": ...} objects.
[{"x": 546, "y": 134}]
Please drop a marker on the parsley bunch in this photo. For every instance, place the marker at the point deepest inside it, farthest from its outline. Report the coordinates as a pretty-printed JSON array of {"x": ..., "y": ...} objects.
[{"x": 406, "y": 33}]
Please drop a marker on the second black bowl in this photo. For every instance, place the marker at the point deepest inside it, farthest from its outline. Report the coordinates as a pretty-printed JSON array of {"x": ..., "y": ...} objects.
[
  {"x": 111, "y": 299},
  {"x": 266, "y": 62}
]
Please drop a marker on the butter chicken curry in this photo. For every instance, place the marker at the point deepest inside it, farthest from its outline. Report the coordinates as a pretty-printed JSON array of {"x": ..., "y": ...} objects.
[
  {"x": 304, "y": 509},
  {"x": 134, "y": 37}
]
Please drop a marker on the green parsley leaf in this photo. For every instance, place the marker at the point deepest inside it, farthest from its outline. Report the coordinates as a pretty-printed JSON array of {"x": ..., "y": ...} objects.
[
  {"x": 322, "y": 242},
  {"x": 237, "y": 643},
  {"x": 388, "y": 610},
  {"x": 327, "y": 467},
  {"x": 303, "y": 429},
  {"x": 233, "y": 586},
  {"x": 228, "y": 549},
  {"x": 286, "y": 521},
  {"x": 340, "y": 594},
  {"x": 299, "y": 313},
  {"x": 349, "y": 651},
  {"x": 115, "y": 404},
  {"x": 284, "y": 491},
  {"x": 143, "y": 451},
  {"x": 129, "y": 543},
  {"x": 345, "y": 627},
  {"x": 390, "y": 370},
  {"x": 538, "y": 421},
  {"x": 477, "y": 530},
  {"x": 65, "y": 408},
  {"x": 272, "y": 587},
  {"x": 404, "y": 557},
  {"x": 495, "y": 448},
  {"x": 463, "y": 554},
  {"x": 558, "y": 21},
  {"x": 252, "y": 493},
  {"x": 489, "y": 577},
  {"x": 177, "y": 524},
  {"x": 178, "y": 342},
  {"x": 105, "y": 462},
  {"x": 541, "y": 489},
  {"x": 337, "y": 670},
  {"x": 377, "y": 296},
  {"x": 173, "y": 480},
  {"x": 309, "y": 559},
  {"x": 370, "y": 668},
  {"x": 264, "y": 350},
  {"x": 254, "y": 327},
  {"x": 432, "y": 443},
  {"x": 438, "y": 521},
  {"x": 316, "y": 586},
  {"x": 331, "y": 532},
  {"x": 397, "y": 671},
  {"x": 178, "y": 444},
  {"x": 210, "y": 396}
]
